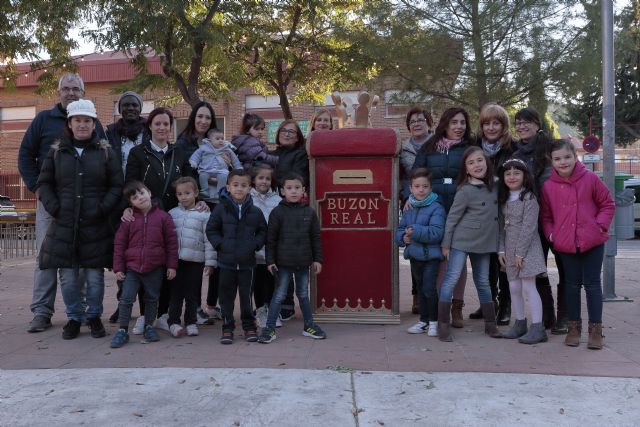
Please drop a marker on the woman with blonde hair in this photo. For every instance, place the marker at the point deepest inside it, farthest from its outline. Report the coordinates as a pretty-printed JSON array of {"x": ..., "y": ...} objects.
[{"x": 321, "y": 120}]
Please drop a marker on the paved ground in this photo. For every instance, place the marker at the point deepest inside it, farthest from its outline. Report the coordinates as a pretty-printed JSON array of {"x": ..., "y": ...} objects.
[{"x": 397, "y": 378}]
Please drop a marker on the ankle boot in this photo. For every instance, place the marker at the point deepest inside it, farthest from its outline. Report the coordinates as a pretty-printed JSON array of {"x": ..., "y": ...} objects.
[
  {"x": 444, "y": 331},
  {"x": 518, "y": 329},
  {"x": 560, "y": 328},
  {"x": 489, "y": 313},
  {"x": 535, "y": 335},
  {"x": 504, "y": 313},
  {"x": 415, "y": 306},
  {"x": 546, "y": 297},
  {"x": 573, "y": 335},
  {"x": 476, "y": 314},
  {"x": 114, "y": 317},
  {"x": 456, "y": 313},
  {"x": 596, "y": 339}
]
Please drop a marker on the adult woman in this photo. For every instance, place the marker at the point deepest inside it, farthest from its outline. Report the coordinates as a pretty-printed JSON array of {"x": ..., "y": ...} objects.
[
  {"x": 201, "y": 119},
  {"x": 292, "y": 156},
  {"x": 80, "y": 184},
  {"x": 442, "y": 156},
  {"x": 534, "y": 149},
  {"x": 321, "y": 120},
  {"x": 494, "y": 136},
  {"x": 419, "y": 124}
]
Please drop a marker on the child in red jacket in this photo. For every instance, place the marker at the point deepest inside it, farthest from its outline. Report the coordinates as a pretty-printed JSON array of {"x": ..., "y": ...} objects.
[
  {"x": 142, "y": 250},
  {"x": 577, "y": 210}
]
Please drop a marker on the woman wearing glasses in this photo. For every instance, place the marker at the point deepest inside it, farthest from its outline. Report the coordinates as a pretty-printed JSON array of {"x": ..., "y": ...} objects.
[
  {"x": 534, "y": 149},
  {"x": 291, "y": 152}
]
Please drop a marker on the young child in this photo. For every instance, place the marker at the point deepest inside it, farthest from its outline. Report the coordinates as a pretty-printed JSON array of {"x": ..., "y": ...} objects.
[
  {"x": 420, "y": 232},
  {"x": 236, "y": 230},
  {"x": 471, "y": 229},
  {"x": 577, "y": 210},
  {"x": 143, "y": 249},
  {"x": 210, "y": 159},
  {"x": 293, "y": 246},
  {"x": 266, "y": 198},
  {"x": 196, "y": 255},
  {"x": 520, "y": 250},
  {"x": 250, "y": 145}
]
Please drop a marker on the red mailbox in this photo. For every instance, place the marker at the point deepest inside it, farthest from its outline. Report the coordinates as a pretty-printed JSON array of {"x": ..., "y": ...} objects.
[{"x": 354, "y": 188}]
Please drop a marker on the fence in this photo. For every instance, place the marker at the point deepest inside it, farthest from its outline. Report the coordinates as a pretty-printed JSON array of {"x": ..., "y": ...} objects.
[
  {"x": 11, "y": 185},
  {"x": 17, "y": 240}
]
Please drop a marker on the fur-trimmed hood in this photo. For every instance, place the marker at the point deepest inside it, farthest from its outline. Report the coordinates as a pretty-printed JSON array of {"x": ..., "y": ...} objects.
[{"x": 66, "y": 143}]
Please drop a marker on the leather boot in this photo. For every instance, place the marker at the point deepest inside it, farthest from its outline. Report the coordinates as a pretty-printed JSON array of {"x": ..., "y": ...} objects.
[
  {"x": 444, "y": 331},
  {"x": 518, "y": 329},
  {"x": 476, "y": 314},
  {"x": 415, "y": 307},
  {"x": 596, "y": 339},
  {"x": 560, "y": 328},
  {"x": 456, "y": 313},
  {"x": 535, "y": 335},
  {"x": 489, "y": 313},
  {"x": 504, "y": 313},
  {"x": 546, "y": 296},
  {"x": 573, "y": 336}
]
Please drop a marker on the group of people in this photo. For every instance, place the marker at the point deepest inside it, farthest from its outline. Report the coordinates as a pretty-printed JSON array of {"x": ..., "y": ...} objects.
[{"x": 503, "y": 203}]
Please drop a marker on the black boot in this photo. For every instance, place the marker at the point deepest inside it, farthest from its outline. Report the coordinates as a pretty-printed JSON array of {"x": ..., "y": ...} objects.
[
  {"x": 476, "y": 314},
  {"x": 561, "y": 327},
  {"x": 548, "y": 312},
  {"x": 504, "y": 314},
  {"x": 504, "y": 298}
]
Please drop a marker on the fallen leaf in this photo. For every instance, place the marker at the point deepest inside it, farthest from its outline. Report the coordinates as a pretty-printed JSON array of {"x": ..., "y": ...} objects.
[
  {"x": 561, "y": 411},
  {"x": 139, "y": 383},
  {"x": 430, "y": 385},
  {"x": 135, "y": 414},
  {"x": 49, "y": 392},
  {"x": 380, "y": 422},
  {"x": 182, "y": 381}
]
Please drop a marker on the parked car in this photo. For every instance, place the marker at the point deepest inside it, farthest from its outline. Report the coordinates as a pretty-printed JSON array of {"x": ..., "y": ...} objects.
[{"x": 16, "y": 223}]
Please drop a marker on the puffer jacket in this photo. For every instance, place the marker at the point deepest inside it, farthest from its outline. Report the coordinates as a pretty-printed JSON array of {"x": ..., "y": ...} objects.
[
  {"x": 428, "y": 229},
  {"x": 252, "y": 152},
  {"x": 79, "y": 191},
  {"x": 292, "y": 160},
  {"x": 146, "y": 243},
  {"x": 209, "y": 159},
  {"x": 191, "y": 229},
  {"x": 576, "y": 211},
  {"x": 236, "y": 232},
  {"x": 293, "y": 236},
  {"x": 266, "y": 203}
]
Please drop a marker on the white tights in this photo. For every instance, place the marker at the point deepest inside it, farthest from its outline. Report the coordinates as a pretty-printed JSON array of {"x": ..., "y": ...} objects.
[{"x": 518, "y": 288}]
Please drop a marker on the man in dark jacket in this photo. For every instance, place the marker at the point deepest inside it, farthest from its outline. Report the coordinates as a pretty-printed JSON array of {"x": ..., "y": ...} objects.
[
  {"x": 47, "y": 127},
  {"x": 128, "y": 131}
]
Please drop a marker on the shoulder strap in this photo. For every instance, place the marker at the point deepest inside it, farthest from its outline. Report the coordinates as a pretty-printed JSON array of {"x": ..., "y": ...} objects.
[{"x": 167, "y": 179}]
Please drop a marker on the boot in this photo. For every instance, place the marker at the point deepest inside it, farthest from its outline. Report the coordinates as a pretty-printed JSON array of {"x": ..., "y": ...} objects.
[
  {"x": 489, "y": 313},
  {"x": 561, "y": 327},
  {"x": 518, "y": 329},
  {"x": 456, "y": 313},
  {"x": 415, "y": 307},
  {"x": 535, "y": 335},
  {"x": 114, "y": 317},
  {"x": 444, "y": 332},
  {"x": 476, "y": 314},
  {"x": 596, "y": 339},
  {"x": 546, "y": 296},
  {"x": 573, "y": 336},
  {"x": 504, "y": 314}
]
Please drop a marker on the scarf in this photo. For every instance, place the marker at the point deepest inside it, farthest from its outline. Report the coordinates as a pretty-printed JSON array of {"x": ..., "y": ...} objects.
[
  {"x": 432, "y": 197},
  {"x": 130, "y": 130},
  {"x": 491, "y": 148},
  {"x": 444, "y": 145}
]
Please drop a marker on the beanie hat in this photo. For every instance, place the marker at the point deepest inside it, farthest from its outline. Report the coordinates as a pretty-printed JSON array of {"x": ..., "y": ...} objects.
[
  {"x": 81, "y": 107},
  {"x": 130, "y": 93}
]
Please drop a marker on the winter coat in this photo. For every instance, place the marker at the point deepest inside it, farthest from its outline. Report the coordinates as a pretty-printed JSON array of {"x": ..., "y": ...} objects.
[
  {"x": 47, "y": 127},
  {"x": 146, "y": 243},
  {"x": 266, "y": 203},
  {"x": 115, "y": 140},
  {"x": 293, "y": 236},
  {"x": 498, "y": 159},
  {"x": 576, "y": 211},
  {"x": 236, "y": 232},
  {"x": 252, "y": 152},
  {"x": 526, "y": 153},
  {"x": 519, "y": 237},
  {"x": 443, "y": 167},
  {"x": 408, "y": 154},
  {"x": 292, "y": 160},
  {"x": 187, "y": 145},
  {"x": 428, "y": 229},
  {"x": 146, "y": 165},
  {"x": 79, "y": 191},
  {"x": 472, "y": 222},
  {"x": 191, "y": 229},
  {"x": 209, "y": 159}
]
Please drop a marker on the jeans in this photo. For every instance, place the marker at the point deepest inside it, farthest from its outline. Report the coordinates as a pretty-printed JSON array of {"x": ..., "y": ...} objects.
[
  {"x": 425, "y": 274},
  {"x": 283, "y": 278},
  {"x": 583, "y": 270},
  {"x": 480, "y": 268},
  {"x": 45, "y": 282},
  {"x": 234, "y": 282},
  {"x": 186, "y": 287},
  {"x": 152, "y": 283},
  {"x": 72, "y": 280}
]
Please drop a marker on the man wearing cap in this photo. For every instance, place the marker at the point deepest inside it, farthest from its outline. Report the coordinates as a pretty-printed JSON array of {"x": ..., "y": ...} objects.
[{"x": 47, "y": 127}]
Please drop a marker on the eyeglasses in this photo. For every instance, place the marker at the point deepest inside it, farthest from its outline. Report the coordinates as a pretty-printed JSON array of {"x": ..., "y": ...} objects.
[
  {"x": 522, "y": 124},
  {"x": 417, "y": 121},
  {"x": 71, "y": 89},
  {"x": 289, "y": 132}
]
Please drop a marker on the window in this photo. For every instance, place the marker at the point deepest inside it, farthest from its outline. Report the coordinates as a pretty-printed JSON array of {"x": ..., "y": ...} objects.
[
  {"x": 261, "y": 102},
  {"x": 17, "y": 113},
  {"x": 272, "y": 127}
]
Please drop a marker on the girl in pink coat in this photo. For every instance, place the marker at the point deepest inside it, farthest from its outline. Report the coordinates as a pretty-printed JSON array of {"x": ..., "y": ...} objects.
[{"x": 577, "y": 209}]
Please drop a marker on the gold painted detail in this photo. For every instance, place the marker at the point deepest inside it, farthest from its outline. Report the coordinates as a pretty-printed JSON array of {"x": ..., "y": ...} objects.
[
  {"x": 347, "y": 308},
  {"x": 353, "y": 176}
]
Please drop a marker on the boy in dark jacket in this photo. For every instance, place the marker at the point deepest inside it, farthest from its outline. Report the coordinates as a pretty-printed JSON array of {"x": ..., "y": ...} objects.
[
  {"x": 293, "y": 246},
  {"x": 143, "y": 249},
  {"x": 236, "y": 230}
]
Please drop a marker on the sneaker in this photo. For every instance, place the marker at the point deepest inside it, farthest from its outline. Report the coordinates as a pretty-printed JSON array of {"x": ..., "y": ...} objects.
[
  {"x": 162, "y": 322},
  {"x": 192, "y": 330},
  {"x": 227, "y": 337},
  {"x": 213, "y": 312},
  {"x": 261, "y": 317},
  {"x": 97, "y": 328},
  {"x": 71, "y": 330},
  {"x": 39, "y": 323},
  {"x": 433, "y": 329},
  {"x": 150, "y": 334},
  {"x": 138, "y": 328},
  {"x": 251, "y": 335},
  {"x": 176, "y": 330},
  {"x": 418, "y": 328},
  {"x": 114, "y": 317},
  {"x": 203, "y": 318},
  {"x": 313, "y": 331},
  {"x": 279, "y": 322},
  {"x": 267, "y": 336},
  {"x": 120, "y": 338},
  {"x": 286, "y": 314}
]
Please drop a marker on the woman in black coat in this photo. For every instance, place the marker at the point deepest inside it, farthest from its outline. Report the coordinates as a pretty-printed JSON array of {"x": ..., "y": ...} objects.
[{"x": 79, "y": 185}]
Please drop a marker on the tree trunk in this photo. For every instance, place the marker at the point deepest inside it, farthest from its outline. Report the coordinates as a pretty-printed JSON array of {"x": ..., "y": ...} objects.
[
  {"x": 284, "y": 103},
  {"x": 480, "y": 63}
]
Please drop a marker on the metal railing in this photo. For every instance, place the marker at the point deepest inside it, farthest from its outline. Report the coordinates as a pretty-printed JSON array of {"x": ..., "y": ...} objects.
[{"x": 17, "y": 240}]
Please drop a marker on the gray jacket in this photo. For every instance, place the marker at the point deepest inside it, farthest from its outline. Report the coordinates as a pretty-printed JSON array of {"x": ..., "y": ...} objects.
[
  {"x": 472, "y": 223},
  {"x": 209, "y": 159},
  {"x": 191, "y": 228}
]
